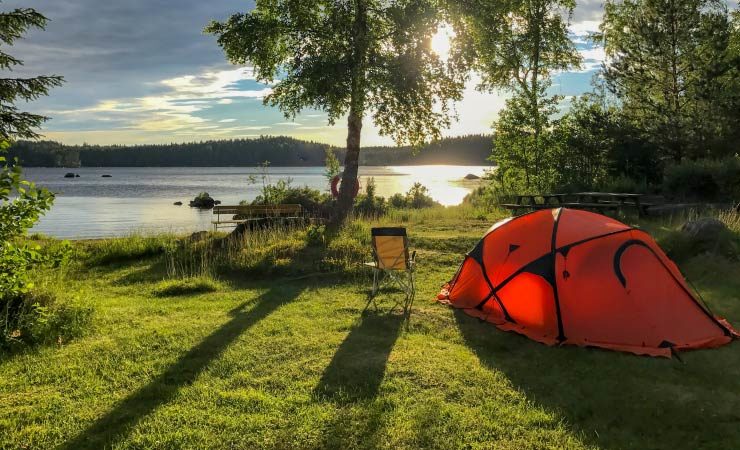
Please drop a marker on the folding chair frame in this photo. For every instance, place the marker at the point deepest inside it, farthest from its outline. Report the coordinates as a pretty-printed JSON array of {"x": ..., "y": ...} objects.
[{"x": 403, "y": 278}]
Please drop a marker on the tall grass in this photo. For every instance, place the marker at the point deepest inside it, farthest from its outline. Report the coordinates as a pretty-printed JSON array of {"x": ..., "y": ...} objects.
[
  {"x": 731, "y": 218},
  {"x": 284, "y": 249},
  {"x": 128, "y": 248}
]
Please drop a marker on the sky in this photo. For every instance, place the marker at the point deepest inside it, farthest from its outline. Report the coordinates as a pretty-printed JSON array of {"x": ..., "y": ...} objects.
[{"x": 142, "y": 71}]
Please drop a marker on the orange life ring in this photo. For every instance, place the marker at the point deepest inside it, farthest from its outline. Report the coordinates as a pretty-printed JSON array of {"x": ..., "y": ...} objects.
[{"x": 335, "y": 186}]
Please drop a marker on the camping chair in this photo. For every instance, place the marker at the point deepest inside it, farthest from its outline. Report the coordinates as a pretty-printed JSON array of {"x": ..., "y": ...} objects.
[{"x": 392, "y": 262}]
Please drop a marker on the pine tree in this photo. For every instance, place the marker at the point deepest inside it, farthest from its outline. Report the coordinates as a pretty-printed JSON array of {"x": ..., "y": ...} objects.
[
  {"x": 15, "y": 124},
  {"x": 667, "y": 62},
  {"x": 21, "y": 203}
]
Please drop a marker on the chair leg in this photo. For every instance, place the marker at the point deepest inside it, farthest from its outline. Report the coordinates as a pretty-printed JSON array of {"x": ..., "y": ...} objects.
[{"x": 375, "y": 282}]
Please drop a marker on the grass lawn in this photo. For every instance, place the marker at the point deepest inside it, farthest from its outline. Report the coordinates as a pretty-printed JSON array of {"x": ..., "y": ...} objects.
[{"x": 278, "y": 362}]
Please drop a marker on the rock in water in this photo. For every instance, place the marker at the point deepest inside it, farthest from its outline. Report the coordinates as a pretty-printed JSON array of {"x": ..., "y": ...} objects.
[
  {"x": 177, "y": 203},
  {"x": 707, "y": 229},
  {"x": 69, "y": 175},
  {"x": 471, "y": 176},
  {"x": 106, "y": 176},
  {"x": 203, "y": 201}
]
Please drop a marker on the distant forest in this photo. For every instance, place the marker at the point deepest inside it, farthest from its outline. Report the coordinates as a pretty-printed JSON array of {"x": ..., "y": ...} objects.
[{"x": 279, "y": 151}]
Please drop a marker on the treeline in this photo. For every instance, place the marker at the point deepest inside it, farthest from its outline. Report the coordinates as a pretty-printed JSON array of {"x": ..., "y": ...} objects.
[{"x": 279, "y": 151}]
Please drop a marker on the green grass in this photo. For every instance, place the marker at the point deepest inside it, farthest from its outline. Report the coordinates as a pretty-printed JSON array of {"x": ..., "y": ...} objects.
[
  {"x": 292, "y": 359},
  {"x": 187, "y": 286}
]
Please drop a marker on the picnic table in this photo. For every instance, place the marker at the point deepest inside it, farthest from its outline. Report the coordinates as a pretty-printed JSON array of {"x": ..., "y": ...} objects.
[{"x": 579, "y": 200}]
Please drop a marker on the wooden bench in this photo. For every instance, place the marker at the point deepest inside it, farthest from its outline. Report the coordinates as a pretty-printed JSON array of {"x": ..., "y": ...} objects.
[{"x": 245, "y": 213}]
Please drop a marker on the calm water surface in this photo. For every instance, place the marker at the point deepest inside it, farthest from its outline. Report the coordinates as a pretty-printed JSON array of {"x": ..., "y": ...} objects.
[{"x": 140, "y": 200}]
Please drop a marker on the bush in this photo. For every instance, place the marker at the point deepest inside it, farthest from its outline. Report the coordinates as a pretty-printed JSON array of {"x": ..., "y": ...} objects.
[
  {"x": 313, "y": 201},
  {"x": 623, "y": 184},
  {"x": 368, "y": 204},
  {"x": 704, "y": 179},
  {"x": 38, "y": 317},
  {"x": 416, "y": 198},
  {"x": 681, "y": 248}
]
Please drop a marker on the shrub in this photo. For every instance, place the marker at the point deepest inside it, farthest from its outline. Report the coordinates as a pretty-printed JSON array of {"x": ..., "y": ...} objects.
[
  {"x": 313, "y": 201},
  {"x": 187, "y": 286},
  {"x": 704, "y": 179},
  {"x": 623, "y": 184},
  {"x": 38, "y": 317},
  {"x": 369, "y": 204},
  {"x": 416, "y": 198},
  {"x": 681, "y": 248}
]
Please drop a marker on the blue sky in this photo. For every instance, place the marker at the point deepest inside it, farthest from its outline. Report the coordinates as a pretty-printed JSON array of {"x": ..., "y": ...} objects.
[{"x": 142, "y": 71}]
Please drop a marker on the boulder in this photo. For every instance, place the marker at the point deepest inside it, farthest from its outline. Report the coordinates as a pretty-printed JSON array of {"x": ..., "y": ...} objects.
[
  {"x": 203, "y": 201},
  {"x": 177, "y": 203},
  {"x": 198, "y": 236},
  {"x": 707, "y": 229},
  {"x": 471, "y": 176}
]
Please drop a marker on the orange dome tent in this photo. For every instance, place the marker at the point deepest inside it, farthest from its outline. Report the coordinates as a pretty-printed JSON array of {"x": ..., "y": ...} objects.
[{"x": 565, "y": 276}]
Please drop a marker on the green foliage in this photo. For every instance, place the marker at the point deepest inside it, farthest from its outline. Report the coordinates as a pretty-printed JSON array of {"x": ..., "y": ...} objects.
[
  {"x": 187, "y": 286},
  {"x": 524, "y": 143},
  {"x": 15, "y": 124},
  {"x": 369, "y": 204},
  {"x": 623, "y": 184},
  {"x": 583, "y": 138},
  {"x": 367, "y": 55},
  {"x": 22, "y": 318},
  {"x": 316, "y": 235},
  {"x": 416, "y": 198},
  {"x": 332, "y": 164},
  {"x": 516, "y": 46},
  {"x": 364, "y": 58},
  {"x": 705, "y": 179},
  {"x": 313, "y": 201},
  {"x": 39, "y": 317},
  {"x": 670, "y": 64}
]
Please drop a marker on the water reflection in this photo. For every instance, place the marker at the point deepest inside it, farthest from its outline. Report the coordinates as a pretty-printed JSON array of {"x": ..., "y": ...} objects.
[{"x": 140, "y": 200}]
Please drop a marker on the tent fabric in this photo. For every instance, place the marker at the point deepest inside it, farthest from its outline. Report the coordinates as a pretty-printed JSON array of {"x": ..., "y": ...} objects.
[{"x": 565, "y": 276}]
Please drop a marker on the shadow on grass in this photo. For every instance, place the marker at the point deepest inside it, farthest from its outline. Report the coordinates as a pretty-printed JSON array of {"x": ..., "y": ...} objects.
[
  {"x": 116, "y": 424},
  {"x": 357, "y": 368},
  {"x": 615, "y": 400}
]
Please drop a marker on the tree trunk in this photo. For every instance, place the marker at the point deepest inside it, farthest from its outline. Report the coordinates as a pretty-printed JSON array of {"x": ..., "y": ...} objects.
[
  {"x": 536, "y": 22},
  {"x": 349, "y": 182},
  {"x": 351, "y": 166}
]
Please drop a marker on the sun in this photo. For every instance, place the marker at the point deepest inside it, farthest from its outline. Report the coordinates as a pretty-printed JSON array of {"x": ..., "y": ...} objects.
[{"x": 441, "y": 41}]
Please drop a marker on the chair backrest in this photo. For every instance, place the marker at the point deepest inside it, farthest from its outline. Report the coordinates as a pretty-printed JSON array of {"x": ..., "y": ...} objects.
[{"x": 391, "y": 249}]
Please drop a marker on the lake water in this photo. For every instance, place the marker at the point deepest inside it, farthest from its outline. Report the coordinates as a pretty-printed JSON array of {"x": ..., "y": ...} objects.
[{"x": 140, "y": 200}]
